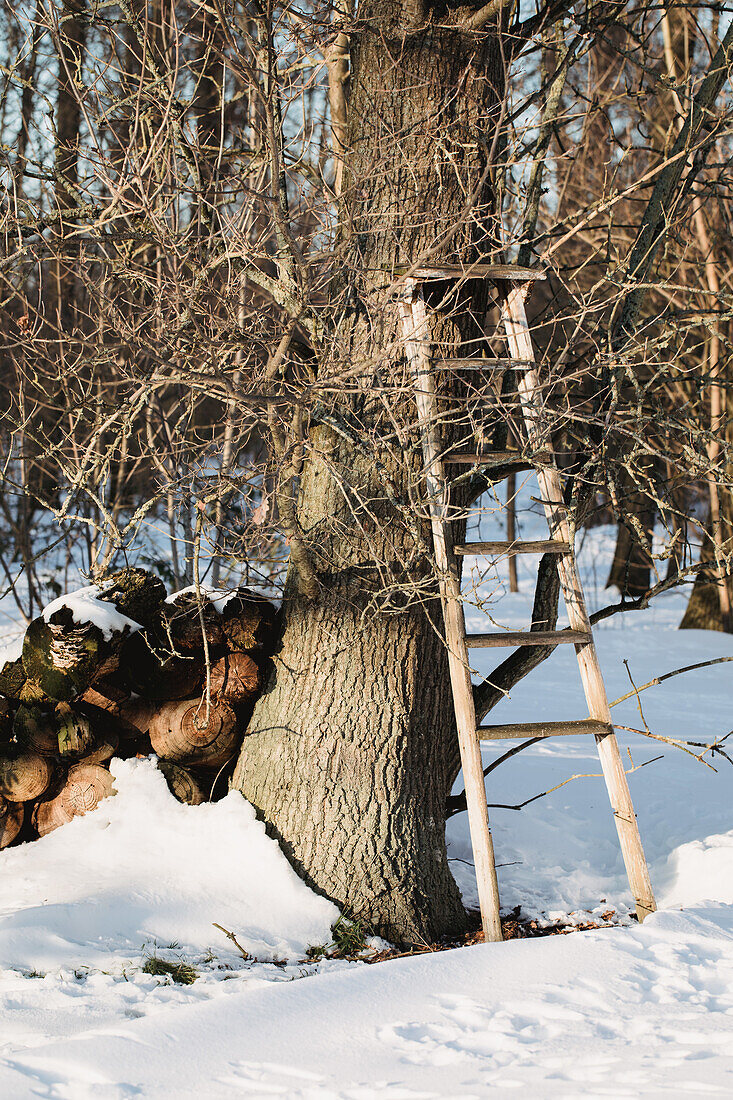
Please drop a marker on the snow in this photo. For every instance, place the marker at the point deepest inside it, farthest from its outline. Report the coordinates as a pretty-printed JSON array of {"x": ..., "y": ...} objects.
[
  {"x": 624, "y": 1010},
  {"x": 143, "y": 875},
  {"x": 644, "y": 1011},
  {"x": 11, "y": 648},
  {"x": 85, "y": 607},
  {"x": 219, "y": 597},
  {"x": 144, "y": 867}
]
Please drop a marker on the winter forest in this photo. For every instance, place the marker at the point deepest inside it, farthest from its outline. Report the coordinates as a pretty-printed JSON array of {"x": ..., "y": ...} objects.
[{"x": 366, "y": 549}]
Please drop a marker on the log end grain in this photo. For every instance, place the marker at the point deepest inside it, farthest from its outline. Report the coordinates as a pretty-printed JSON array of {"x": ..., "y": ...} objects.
[
  {"x": 11, "y": 821},
  {"x": 24, "y": 775},
  {"x": 85, "y": 787},
  {"x": 37, "y": 730},
  {"x": 182, "y": 784},
  {"x": 104, "y": 749},
  {"x": 183, "y": 733},
  {"x": 50, "y": 815},
  {"x": 235, "y": 677}
]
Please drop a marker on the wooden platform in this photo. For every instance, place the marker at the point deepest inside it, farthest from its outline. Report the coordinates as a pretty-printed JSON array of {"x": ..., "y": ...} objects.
[{"x": 494, "y": 272}]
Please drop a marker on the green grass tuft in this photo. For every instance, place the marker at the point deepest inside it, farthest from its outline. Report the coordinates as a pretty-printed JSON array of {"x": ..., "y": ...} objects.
[
  {"x": 349, "y": 936},
  {"x": 180, "y": 972},
  {"x": 349, "y": 940}
]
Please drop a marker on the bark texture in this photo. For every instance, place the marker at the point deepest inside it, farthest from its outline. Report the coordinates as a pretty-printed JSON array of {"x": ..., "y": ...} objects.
[{"x": 350, "y": 754}]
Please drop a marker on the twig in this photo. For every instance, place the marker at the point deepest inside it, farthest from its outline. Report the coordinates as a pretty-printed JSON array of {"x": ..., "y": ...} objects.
[
  {"x": 230, "y": 936},
  {"x": 668, "y": 676},
  {"x": 551, "y": 790}
]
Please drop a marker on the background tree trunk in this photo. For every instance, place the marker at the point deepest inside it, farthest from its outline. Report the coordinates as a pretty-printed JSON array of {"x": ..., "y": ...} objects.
[
  {"x": 704, "y": 608},
  {"x": 511, "y": 528},
  {"x": 631, "y": 566},
  {"x": 632, "y": 563},
  {"x": 71, "y": 47},
  {"x": 348, "y": 756}
]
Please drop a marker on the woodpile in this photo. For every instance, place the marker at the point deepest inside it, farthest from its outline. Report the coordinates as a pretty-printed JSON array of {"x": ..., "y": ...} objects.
[{"x": 177, "y": 677}]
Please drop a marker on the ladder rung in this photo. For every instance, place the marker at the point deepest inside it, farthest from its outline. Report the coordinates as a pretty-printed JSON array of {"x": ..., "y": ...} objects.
[
  {"x": 527, "y": 637},
  {"x": 482, "y": 364},
  {"x": 520, "y": 730},
  {"x": 510, "y": 272},
  {"x": 546, "y": 546},
  {"x": 499, "y": 458}
]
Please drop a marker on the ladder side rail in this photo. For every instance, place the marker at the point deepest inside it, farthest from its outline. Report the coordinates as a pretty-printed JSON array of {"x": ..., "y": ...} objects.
[
  {"x": 520, "y": 343},
  {"x": 415, "y": 333}
]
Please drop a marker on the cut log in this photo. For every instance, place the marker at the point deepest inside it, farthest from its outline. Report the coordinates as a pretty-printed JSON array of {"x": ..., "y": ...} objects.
[
  {"x": 37, "y": 730},
  {"x": 136, "y": 593},
  {"x": 12, "y": 679},
  {"x": 180, "y": 732},
  {"x": 250, "y": 621},
  {"x": 85, "y": 787},
  {"x": 181, "y": 784},
  {"x": 75, "y": 733},
  {"x": 11, "y": 821},
  {"x": 50, "y": 815},
  {"x": 61, "y": 657},
  {"x": 235, "y": 677},
  {"x": 181, "y": 624},
  {"x": 104, "y": 749},
  {"x": 6, "y": 721},
  {"x": 136, "y": 716},
  {"x": 24, "y": 775},
  {"x": 153, "y": 672},
  {"x": 106, "y": 695}
]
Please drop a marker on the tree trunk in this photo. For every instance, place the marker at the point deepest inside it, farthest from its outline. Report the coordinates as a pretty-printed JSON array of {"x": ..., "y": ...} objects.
[
  {"x": 704, "y": 607},
  {"x": 71, "y": 48},
  {"x": 511, "y": 528},
  {"x": 631, "y": 567},
  {"x": 349, "y": 753}
]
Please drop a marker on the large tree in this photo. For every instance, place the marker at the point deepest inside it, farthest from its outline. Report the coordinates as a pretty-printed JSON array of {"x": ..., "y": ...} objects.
[{"x": 350, "y": 756}]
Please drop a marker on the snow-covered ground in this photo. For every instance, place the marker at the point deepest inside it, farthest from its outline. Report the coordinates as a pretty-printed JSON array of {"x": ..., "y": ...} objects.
[{"x": 621, "y": 1011}]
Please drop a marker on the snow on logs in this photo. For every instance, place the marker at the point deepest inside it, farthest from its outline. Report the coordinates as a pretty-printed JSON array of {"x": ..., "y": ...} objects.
[{"x": 118, "y": 669}]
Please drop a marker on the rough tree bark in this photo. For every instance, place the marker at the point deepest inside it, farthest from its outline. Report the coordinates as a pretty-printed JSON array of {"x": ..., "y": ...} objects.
[{"x": 349, "y": 756}]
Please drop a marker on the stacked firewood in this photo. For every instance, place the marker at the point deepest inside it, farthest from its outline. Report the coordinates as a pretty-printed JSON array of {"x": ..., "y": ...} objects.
[{"x": 122, "y": 671}]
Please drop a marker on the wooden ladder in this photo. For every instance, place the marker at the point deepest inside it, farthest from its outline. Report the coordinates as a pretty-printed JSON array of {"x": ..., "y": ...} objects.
[{"x": 512, "y": 283}]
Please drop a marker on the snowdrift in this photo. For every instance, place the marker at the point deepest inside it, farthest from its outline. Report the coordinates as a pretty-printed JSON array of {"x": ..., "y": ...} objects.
[{"x": 144, "y": 869}]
